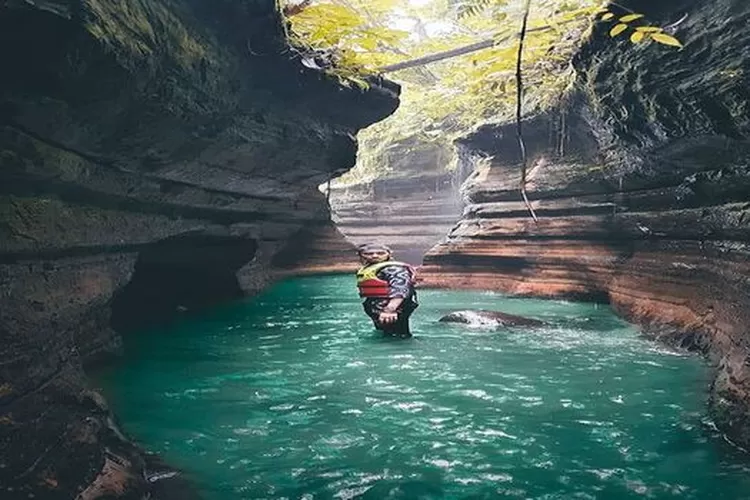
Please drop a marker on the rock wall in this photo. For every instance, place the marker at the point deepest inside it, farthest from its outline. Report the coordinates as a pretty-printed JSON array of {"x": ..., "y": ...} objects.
[
  {"x": 319, "y": 248},
  {"x": 411, "y": 208},
  {"x": 641, "y": 181},
  {"x": 411, "y": 215},
  {"x": 155, "y": 157}
]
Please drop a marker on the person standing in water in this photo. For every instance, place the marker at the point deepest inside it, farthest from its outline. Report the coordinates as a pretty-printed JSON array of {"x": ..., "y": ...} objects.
[{"x": 388, "y": 289}]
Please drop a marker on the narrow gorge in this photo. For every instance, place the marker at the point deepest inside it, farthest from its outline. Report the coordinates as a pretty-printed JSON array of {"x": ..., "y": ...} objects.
[{"x": 162, "y": 157}]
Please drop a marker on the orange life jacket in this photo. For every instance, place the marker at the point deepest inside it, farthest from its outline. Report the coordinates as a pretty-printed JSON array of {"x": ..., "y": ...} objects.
[{"x": 371, "y": 286}]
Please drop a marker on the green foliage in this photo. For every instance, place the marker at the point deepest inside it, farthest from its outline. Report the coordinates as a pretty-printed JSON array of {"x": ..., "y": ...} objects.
[
  {"x": 465, "y": 8},
  {"x": 449, "y": 98},
  {"x": 133, "y": 31},
  {"x": 347, "y": 37},
  {"x": 363, "y": 35}
]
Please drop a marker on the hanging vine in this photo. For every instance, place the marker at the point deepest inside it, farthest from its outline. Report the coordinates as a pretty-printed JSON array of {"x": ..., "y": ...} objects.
[{"x": 519, "y": 108}]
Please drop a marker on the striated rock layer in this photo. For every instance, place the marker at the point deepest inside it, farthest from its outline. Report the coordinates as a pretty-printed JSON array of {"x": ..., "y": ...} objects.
[
  {"x": 641, "y": 180},
  {"x": 155, "y": 156},
  {"x": 318, "y": 248},
  {"x": 410, "y": 209},
  {"x": 410, "y": 215}
]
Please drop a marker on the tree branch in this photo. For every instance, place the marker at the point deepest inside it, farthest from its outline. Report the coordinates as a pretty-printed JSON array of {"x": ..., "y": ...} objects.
[{"x": 459, "y": 51}]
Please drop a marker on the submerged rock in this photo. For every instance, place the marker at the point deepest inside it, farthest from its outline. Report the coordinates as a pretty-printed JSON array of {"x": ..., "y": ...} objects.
[{"x": 482, "y": 318}]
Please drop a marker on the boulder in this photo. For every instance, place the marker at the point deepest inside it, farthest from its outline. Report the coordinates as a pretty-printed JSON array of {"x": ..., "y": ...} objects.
[{"x": 482, "y": 318}]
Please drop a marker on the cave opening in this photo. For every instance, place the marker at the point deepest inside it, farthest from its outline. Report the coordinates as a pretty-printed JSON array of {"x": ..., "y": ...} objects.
[{"x": 181, "y": 274}]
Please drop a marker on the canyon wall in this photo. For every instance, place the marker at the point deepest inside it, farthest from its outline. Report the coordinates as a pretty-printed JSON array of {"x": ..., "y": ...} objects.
[
  {"x": 410, "y": 208},
  {"x": 156, "y": 156},
  {"x": 641, "y": 181}
]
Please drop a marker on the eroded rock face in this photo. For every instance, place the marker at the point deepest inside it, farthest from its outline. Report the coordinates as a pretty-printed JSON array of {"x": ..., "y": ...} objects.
[
  {"x": 641, "y": 181},
  {"x": 410, "y": 215},
  {"x": 318, "y": 248},
  {"x": 154, "y": 156},
  {"x": 410, "y": 210}
]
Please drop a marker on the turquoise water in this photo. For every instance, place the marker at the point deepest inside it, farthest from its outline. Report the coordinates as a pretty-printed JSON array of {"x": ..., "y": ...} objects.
[{"x": 294, "y": 395}]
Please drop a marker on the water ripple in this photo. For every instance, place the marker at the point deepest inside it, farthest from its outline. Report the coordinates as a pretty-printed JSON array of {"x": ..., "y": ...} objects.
[{"x": 307, "y": 402}]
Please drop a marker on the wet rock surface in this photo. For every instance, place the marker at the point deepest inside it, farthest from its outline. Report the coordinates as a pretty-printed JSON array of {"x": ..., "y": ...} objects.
[
  {"x": 482, "y": 318},
  {"x": 640, "y": 179},
  {"x": 154, "y": 156}
]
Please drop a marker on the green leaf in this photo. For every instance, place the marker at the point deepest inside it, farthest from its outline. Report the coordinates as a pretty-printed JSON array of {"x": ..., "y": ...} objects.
[
  {"x": 607, "y": 16},
  {"x": 666, "y": 39},
  {"x": 630, "y": 17},
  {"x": 368, "y": 43},
  {"x": 618, "y": 29},
  {"x": 637, "y": 36},
  {"x": 649, "y": 29}
]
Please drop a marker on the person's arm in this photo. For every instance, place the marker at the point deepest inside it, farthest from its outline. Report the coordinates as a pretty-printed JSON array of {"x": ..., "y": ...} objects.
[
  {"x": 394, "y": 304},
  {"x": 389, "y": 314},
  {"x": 399, "y": 282}
]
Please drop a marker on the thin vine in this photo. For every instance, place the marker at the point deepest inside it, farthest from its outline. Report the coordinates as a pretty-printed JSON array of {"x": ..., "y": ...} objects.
[{"x": 519, "y": 108}]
